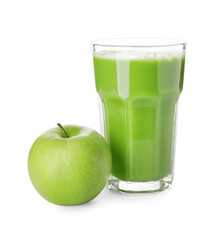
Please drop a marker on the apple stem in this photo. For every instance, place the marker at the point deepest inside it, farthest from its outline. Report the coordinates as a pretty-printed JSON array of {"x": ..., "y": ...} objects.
[{"x": 63, "y": 130}]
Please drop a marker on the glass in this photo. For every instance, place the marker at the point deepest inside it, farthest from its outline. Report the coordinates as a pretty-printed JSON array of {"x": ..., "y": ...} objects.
[{"x": 139, "y": 82}]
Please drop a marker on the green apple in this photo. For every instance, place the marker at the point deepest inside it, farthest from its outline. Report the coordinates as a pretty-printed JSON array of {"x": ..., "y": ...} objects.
[{"x": 69, "y": 165}]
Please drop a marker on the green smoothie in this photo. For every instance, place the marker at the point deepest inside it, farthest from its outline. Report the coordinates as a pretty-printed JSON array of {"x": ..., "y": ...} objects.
[{"x": 139, "y": 99}]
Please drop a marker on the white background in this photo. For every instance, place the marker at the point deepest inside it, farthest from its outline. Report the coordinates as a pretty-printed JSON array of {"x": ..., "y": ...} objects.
[{"x": 46, "y": 76}]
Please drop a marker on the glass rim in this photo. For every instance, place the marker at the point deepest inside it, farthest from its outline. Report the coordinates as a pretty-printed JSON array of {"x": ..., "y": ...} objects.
[{"x": 139, "y": 42}]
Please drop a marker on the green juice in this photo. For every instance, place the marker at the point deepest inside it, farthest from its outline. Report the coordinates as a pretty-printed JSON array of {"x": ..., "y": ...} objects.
[{"x": 139, "y": 99}]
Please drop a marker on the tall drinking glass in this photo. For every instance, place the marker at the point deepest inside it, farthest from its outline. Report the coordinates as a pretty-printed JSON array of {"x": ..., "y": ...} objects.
[{"x": 139, "y": 82}]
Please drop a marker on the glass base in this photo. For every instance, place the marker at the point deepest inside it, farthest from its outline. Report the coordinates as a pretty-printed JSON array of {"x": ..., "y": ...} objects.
[{"x": 140, "y": 187}]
